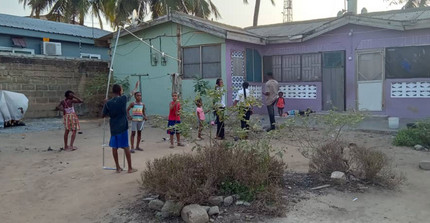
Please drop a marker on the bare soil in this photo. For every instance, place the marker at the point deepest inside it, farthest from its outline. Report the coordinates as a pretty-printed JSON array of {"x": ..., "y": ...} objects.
[{"x": 39, "y": 184}]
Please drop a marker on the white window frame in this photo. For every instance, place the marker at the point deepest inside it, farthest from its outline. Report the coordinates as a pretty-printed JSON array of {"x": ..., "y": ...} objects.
[
  {"x": 14, "y": 50},
  {"x": 91, "y": 56}
]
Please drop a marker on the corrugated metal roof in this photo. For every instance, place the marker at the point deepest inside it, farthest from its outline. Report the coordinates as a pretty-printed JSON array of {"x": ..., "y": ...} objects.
[
  {"x": 288, "y": 29},
  {"x": 50, "y": 26},
  {"x": 302, "y": 27}
]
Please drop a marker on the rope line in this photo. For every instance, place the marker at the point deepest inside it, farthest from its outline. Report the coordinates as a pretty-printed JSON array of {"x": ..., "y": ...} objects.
[{"x": 155, "y": 49}]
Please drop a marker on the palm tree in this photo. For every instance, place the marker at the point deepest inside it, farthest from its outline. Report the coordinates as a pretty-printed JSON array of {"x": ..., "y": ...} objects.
[
  {"x": 199, "y": 8},
  {"x": 257, "y": 10},
  {"x": 410, "y": 3},
  {"x": 117, "y": 11},
  {"x": 37, "y": 6}
]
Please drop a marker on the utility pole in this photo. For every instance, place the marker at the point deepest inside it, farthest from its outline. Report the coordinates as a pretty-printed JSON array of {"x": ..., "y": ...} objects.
[
  {"x": 177, "y": 78},
  {"x": 288, "y": 11}
]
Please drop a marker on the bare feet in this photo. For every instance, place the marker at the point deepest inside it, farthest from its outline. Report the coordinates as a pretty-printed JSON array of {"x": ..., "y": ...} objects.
[
  {"x": 68, "y": 148},
  {"x": 132, "y": 170},
  {"x": 119, "y": 170},
  {"x": 74, "y": 148},
  {"x": 181, "y": 144},
  {"x": 139, "y": 149},
  {"x": 171, "y": 146},
  {"x": 131, "y": 150}
]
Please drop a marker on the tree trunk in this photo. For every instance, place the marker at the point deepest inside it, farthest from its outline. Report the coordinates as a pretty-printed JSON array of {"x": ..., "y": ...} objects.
[{"x": 256, "y": 11}]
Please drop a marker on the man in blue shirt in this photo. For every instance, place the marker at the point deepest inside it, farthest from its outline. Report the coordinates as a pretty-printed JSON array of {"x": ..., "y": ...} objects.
[{"x": 115, "y": 108}]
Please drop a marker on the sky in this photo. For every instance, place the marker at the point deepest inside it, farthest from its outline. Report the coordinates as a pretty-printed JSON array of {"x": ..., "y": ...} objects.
[{"x": 236, "y": 13}]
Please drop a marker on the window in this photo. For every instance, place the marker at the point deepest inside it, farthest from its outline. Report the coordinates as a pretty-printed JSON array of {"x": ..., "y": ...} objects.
[
  {"x": 20, "y": 42},
  {"x": 407, "y": 62},
  {"x": 90, "y": 56},
  {"x": 253, "y": 66},
  {"x": 202, "y": 61},
  {"x": 16, "y": 50},
  {"x": 294, "y": 68}
]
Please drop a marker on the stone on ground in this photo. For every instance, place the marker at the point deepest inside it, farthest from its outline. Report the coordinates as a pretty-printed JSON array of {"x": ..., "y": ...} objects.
[
  {"x": 425, "y": 165},
  {"x": 213, "y": 210},
  {"x": 194, "y": 213},
  {"x": 338, "y": 175},
  {"x": 172, "y": 208},
  {"x": 419, "y": 147},
  {"x": 156, "y": 204},
  {"x": 228, "y": 200},
  {"x": 216, "y": 200}
]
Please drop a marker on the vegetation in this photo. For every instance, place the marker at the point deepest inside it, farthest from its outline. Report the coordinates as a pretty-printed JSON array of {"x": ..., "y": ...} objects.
[
  {"x": 410, "y": 3},
  {"x": 116, "y": 11},
  {"x": 95, "y": 92},
  {"x": 418, "y": 134},
  {"x": 257, "y": 10},
  {"x": 218, "y": 170}
]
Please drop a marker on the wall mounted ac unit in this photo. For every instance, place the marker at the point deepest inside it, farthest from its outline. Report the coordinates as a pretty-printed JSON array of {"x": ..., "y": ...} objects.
[{"x": 51, "y": 49}]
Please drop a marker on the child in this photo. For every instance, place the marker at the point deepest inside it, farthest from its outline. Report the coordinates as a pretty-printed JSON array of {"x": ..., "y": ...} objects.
[
  {"x": 115, "y": 108},
  {"x": 200, "y": 116},
  {"x": 281, "y": 103},
  {"x": 174, "y": 118},
  {"x": 138, "y": 119},
  {"x": 70, "y": 119}
]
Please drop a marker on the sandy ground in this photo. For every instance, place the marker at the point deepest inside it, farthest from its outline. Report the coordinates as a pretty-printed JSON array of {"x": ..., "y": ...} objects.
[{"x": 56, "y": 186}]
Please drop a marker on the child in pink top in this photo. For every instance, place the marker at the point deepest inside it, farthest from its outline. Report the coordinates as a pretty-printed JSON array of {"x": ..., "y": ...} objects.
[{"x": 200, "y": 116}]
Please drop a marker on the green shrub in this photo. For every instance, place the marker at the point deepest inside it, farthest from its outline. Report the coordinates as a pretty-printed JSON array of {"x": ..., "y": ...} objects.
[
  {"x": 407, "y": 137},
  {"x": 417, "y": 134}
]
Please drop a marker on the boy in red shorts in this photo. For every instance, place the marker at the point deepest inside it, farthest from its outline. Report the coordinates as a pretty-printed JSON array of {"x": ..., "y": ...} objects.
[{"x": 174, "y": 118}]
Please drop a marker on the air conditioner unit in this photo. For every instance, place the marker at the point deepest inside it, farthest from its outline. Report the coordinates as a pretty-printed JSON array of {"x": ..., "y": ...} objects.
[{"x": 51, "y": 49}]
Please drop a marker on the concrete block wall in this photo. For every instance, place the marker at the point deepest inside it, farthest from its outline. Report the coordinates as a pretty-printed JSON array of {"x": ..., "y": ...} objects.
[{"x": 44, "y": 80}]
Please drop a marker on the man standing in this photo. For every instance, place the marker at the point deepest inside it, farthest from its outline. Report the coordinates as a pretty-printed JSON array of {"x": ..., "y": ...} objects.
[{"x": 271, "y": 93}]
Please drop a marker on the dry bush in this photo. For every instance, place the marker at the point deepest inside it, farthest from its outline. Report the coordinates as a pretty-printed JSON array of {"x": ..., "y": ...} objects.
[
  {"x": 192, "y": 178},
  {"x": 369, "y": 166},
  {"x": 329, "y": 158},
  {"x": 374, "y": 167}
]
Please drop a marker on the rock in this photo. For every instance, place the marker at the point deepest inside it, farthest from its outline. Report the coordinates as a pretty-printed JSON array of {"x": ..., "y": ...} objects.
[
  {"x": 236, "y": 197},
  {"x": 172, "y": 208},
  {"x": 425, "y": 165},
  {"x": 419, "y": 147},
  {"x": 156, "y": 204},
  {"x": 194, "y": 213},
  {"x": 236, "y": 216},
  {"x": 228, "y": 201},
  {"x": 247, "y": 204},
  {"x": 160, "y": 214},
  {"x": 216, "y": 200},
  {"x": 213, "y": 210},
  {"x": 338, "y": 175},
  {"x": 239, "y": 202},
  {"x": 206, "y": 208}
]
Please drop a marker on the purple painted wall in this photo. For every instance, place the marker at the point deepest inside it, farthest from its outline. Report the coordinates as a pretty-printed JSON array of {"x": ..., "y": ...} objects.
[
  {"x": 349, "y": 39},
  {"x": 405, "y": 107}
]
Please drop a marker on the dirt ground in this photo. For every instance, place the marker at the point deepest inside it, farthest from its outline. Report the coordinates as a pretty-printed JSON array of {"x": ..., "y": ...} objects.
[{"x": 38, "y": 185}]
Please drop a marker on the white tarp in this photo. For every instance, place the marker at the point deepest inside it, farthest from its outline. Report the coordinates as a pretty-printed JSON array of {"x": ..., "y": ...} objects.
[{"x": 12, "y": 106}]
